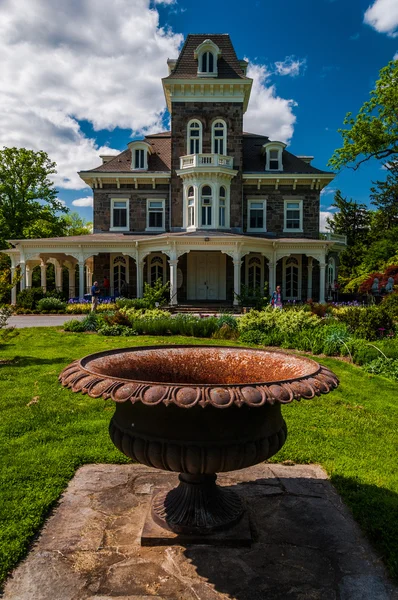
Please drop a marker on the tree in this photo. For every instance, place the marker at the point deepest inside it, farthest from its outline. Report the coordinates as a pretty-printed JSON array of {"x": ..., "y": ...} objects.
[
  {"x": 352, "y": 219},
  {"x": 28, "y": 198},
  {"x": 384, "y": 196},
  {"x": 374, "y": 131},
  {"x": 74, "y": 224}
]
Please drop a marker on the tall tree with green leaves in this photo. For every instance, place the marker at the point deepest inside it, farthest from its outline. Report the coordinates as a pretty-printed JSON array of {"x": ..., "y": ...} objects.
[
  {"x": 384, "y": 196},
  {"x": 74, "y": 224},
  {"x": 373, "y": 133},
  {"x": 28, "y": 198}
]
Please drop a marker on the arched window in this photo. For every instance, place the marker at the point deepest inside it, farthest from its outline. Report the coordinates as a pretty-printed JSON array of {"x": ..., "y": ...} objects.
[
  {"x": 156, "y": 269},
  {"x": 254, "y": 273},
  {"x": 207, "y": 65},
  {"x": 194, "y": 145},
  {"x": 222, "y": 206},
  {"x": 119, "y": 275},
  {"x": 219, "y": 137},
  {"x": 292, "y": 278},
  {"x": 191, "y": 207},
  {"x": 206, "y": 201}
]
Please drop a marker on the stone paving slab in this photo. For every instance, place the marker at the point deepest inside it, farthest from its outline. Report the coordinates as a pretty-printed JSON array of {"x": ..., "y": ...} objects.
[{"x": 306, "y": 544}]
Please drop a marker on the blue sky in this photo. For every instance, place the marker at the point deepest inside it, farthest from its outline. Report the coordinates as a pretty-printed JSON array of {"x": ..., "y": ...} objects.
[{"x": 86, "y": 76}]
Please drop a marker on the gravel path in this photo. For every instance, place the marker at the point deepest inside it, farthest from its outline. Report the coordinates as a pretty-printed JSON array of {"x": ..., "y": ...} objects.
[{"x": 20, "y": 321}]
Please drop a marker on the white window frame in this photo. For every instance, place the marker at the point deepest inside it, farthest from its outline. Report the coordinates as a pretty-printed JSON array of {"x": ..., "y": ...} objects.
[
  {"x": 193, "y": 225},
  {"x": 225, "y": 198},
  {"x": 224, "y": 137},
  {"x": 212, "y": 205},
  {"x": 113, "y": 227},
  {"x": 200, "y": 138},
  {"x": 150, "y": 258},
  {"x": 267, "y": 149},
  {"x": 212, "y": 48},
  {"x": 248, "y": 258},
  {"x": 298, "y": 201},
  {"x": 258, "y": 201},
  {"x": 148, "y": 201},
  {"x": 140, "y": 145},
  {"x": 287, "y": 262}
]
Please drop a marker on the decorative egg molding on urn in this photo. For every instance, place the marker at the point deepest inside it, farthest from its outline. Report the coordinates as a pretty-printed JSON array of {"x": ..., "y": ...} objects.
[{"x": 153, "y": 386}]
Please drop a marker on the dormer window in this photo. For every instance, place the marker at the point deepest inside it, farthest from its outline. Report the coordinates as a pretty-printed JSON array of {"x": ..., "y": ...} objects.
[
  {"x": 139, "y": 155},
  {"x": 273, "y": 156},
  {"x": 207, "y": 55}
]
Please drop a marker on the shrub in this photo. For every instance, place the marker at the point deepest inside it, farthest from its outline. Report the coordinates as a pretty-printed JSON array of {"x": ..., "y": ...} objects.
[
  {"x": 256, "y": 297},
  {"x": 117, "y": 318},
  {"x": 285, "y": 321},
  {"x": 226, "y": 332},
  {"x": 156, "y": 294},
  {"x": 46, "y": 305},
  {"x": 227, "y": 320},
  {"x": 390, "y": 303},
  {"x": 366, "y": 323},
  {"x": 90, "y": 322},
  {"x": 383, "y": 366},
  {"x": 74, "y": 326},
  {"x": 5, "y": 331},
  {"x": 81, "y": 308},
  {"x": 127, "y": 303},
  {"x": 116, "y": 330},
  {"x": 29, "y": 298}
]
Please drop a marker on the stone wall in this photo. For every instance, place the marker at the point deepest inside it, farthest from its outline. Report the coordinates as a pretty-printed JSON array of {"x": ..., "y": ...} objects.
[
  {"x": 275, "y": 210},
  {"x": 206, "y": 112},
  {"x": 138, "y": 203}
]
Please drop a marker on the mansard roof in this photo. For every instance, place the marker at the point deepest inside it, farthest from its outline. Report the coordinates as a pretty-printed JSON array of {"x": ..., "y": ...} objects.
[
  {"x": 160, "y": 160},
  {"x": 187, "y": 65}
]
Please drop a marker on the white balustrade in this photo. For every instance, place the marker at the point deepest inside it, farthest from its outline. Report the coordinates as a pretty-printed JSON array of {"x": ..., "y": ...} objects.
[{"x": 206, "y": 160}]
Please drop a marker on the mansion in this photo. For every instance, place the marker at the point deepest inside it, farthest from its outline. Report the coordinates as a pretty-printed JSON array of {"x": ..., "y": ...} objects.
[{"x": 205, "y": 206}]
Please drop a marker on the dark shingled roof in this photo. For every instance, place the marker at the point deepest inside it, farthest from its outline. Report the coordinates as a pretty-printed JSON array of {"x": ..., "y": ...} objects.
[
  {"x": 254, "y": 160},
  {"x": 228, "y": 63},
  {"x": 159, "y": 161}
]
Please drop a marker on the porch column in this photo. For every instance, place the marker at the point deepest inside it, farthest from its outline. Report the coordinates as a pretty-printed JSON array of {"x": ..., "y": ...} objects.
[
  {"x": 14, "y": 288},
  {"x": 173, "y": 281},
  {"x": 88, "y": 278},
  {"x": 272, "y": 276},
  {"x": 43, "y": 276},
  {"x": 58, "y": 276},
  {"x": 72, "y": 282},
  {"x": 23, "y": 275},
  {"x": 140, "y": 278},
  {"x": 309, "y": 279},
  {"x": 322, "y": 269},
  {"x": 28, "y": 271},
  {"x": 237, "y": 267},
  {"x": 81, "y": 279}
]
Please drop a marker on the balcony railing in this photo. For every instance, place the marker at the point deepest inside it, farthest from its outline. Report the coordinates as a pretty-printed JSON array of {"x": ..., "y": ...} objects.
[
  {"x": 206, "y": 160},
  {"x": 333, "y": 237}
]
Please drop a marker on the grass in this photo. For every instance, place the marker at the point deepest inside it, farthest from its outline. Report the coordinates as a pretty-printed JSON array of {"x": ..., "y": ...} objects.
[{"x": 47, "y": 432}]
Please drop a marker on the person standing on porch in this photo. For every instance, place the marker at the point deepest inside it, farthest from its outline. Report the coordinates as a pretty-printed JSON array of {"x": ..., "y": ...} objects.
[
  {"x": 95, "y": 291},
  {"x": 276, "y": 298},
  {"x": 106, "y": 286}
]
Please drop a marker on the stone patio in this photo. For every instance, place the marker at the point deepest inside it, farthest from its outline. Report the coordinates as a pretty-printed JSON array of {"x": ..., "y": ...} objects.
[{"x": 305, "y": 546}]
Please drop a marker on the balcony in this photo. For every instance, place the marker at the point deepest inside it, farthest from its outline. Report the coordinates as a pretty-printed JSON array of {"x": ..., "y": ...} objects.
[
  {"x": 206, "y": 160},
  {"x": 333, "y": 237}
]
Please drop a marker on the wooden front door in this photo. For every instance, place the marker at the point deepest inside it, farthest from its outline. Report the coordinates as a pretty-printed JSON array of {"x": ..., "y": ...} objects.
[{"x": 206, "y": 276}]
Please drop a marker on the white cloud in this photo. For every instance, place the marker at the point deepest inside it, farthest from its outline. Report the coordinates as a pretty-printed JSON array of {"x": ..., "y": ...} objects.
[
  {"x": 291, "y": 66},
  {"x": 268, "y": 113},
  {"x": 89, "y": 60},
  {"x": 382, "y": 15},
  {"x": 327, "y": 191},
  {"x": 86, "y": 201},
  {"x": 395, "y": 56},
  {"x": 323, "y": 215}
]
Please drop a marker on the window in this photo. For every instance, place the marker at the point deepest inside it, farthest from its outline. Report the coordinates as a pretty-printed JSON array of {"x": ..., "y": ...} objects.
[
  {"x": 219, "y": 137},
  {"x": 191, "y": 207},
  {"x": 222, "y": 206},
  {"x": 155, "y": 215},
  {"x": 194, "y": 137},
  {"x": 206, "y": 206},
  {"x": 207, "y": 62},
  {"x": 254, "y": 272},
  {"x": 119, "y": 214},
  {"x": 119, "y": 275},
  {"x": 274, "y": 160},
  {"x": 156, "y": 269},
  {"x": 293, "y": 215},
  {"x": 139, "y": 162},
  {"x": 292, "y": 278},
  {"x": 256, "y": 220}
]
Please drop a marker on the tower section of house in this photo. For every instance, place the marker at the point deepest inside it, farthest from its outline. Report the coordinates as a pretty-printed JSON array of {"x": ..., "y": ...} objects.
[
  {"x": 205, "y": 206},
  {"x": 207, "y": 93}
]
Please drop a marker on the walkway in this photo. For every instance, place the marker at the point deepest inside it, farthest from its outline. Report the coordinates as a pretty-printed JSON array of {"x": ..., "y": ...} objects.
[{"x": 21, "y": 321}]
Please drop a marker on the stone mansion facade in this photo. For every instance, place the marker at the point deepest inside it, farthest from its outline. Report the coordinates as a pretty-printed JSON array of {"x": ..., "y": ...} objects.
[{"x": 204, "y": 206}]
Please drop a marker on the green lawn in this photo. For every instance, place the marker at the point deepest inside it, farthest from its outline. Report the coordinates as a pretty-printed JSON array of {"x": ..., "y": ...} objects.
[{"x": 47, "y": 432}]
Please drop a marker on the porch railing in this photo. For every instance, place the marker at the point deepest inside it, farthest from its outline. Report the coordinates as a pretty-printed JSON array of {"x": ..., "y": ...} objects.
[{"x": 333, "y": 237}]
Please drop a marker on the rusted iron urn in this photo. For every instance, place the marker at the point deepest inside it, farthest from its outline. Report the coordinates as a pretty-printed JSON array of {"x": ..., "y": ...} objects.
[{"x": 198, "y": 410}]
